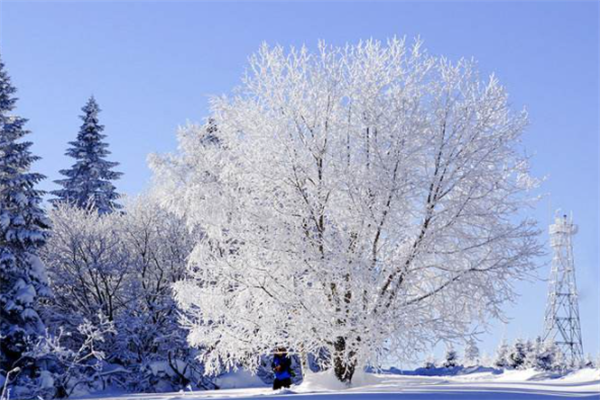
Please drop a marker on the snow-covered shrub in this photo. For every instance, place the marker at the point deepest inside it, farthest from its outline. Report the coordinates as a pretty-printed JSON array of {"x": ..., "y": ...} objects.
[
  {"x": 70, "y": 370},
  {"x": 361, "y": 198},
  {"x": 123, "y": 265}
]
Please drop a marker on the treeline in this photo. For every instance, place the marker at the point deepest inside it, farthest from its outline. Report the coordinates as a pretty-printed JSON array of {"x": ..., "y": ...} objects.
[
  {"x": 86, "y": 297},
  {"x": 537, "y": 354}
]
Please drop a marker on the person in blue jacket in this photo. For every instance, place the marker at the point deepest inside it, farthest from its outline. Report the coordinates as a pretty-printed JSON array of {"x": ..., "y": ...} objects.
[{"x": 282, "y": 367}]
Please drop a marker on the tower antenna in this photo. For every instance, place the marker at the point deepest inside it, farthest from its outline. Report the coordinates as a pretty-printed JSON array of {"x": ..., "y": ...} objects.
[{"x": 562, "y": 323}]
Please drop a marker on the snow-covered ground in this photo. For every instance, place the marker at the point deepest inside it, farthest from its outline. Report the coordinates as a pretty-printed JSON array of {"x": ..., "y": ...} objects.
[{"x": 584, "y": 384}]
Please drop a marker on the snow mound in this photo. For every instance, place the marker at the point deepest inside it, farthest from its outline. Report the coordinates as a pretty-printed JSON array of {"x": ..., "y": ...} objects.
[
  {"x": 326, "y": 381},
  {"x": 283, "y": 391},
  {"x": 321, "y": 382},
  {"x": 583, "y": 375},
  {"x": 239, "y": 379}
]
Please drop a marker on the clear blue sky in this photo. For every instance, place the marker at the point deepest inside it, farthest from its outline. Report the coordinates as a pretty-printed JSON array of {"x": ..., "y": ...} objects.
[{"x": 153, "y": 65}]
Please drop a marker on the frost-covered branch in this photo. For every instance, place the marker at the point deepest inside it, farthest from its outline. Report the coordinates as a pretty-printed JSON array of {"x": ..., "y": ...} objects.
[{"x": 359, "y": 199}]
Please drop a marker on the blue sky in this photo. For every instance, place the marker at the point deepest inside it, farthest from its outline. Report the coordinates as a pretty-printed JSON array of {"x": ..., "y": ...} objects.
[{"x": 153, "y": 65}]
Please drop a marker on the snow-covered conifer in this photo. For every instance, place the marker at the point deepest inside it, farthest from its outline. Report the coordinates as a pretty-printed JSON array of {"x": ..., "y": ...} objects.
[
  {"x": 88, "y": 182},
  {"x": 588, "y": 361},
  {"x": 534, "y": 352},
  {"x": 555, "y": 358},
  {"x": 23, "y": 230},
  {"x": 430, "y": 362},
  {"x": 451, "y": 358},
  {"x": 471, "y": 356},
  {"x": 517, "y": 354},
  {"x": 502, "y": 352},
  {"x": 363, "y": 199}
]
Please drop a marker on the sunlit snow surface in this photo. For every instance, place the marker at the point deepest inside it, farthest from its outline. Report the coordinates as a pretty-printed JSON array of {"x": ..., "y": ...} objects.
[{"x": 584, "y": 384}]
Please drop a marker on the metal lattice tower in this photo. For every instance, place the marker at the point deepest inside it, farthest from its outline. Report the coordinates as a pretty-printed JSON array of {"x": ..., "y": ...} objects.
[{"x": 562, "y": 311}]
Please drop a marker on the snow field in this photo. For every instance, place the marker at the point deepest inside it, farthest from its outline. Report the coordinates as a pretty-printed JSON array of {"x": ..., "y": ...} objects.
[{"x": 513, "y": 385}]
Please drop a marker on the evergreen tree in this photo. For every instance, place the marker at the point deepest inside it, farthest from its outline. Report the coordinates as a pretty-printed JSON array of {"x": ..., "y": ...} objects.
[
  {"x": 23, "y": 230},
  {"x": 429, "y": 362},
  {"x": 451, "y": 358},
  {"x": 88, "y": 181},
  {"x": 516, "y": 358},
  {"x": 471, "y": 352},
  {"x": 535, "y": 354},
  {"x": 588, "y": 362},
  {"x": 556, "y": 358},
  {"x": 501, "y": 359}
]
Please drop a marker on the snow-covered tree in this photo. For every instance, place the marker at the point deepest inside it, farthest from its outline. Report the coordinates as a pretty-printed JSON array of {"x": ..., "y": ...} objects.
[
  {"x": 158, "y": 244},
  {"x": 554, "y": 357},
  {"x": 588, "y": 362},
  {"x": 122, "y": 265},
  {"x": 430, "y": 362},
  {"x": 363, "y": 198},
  {"x": 88, "y": 264},
  {"x": 471, "y": 356},
  {"x": 88, "y": 182},
  {"x": 517, "y": 354},
  {"x": 451, "y": 358},
  {"x": 23, "y": 230},
  {"x": 502, "y": 353},
  {"x": 533, "y": 353},
  {"x": 486, "y": 360},
  {"x": 543, "y": 356}
]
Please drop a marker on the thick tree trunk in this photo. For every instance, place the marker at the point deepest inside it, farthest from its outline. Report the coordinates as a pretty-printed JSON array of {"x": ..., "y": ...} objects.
[{"x": 343, "y": 365}]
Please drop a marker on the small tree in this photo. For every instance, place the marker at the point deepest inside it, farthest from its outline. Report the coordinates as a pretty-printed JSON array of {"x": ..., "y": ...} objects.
[
  {"x": 430, "y": 362},
  {"x": 89, "y": 181},
  {"x": 501, "y": 359},
  {"x": 534, "y": 356},
  {"x": 517, "y": 354},
  {"x": 451, "y": 358},
  {"x": 555, "y": 358},
  {"x": 588, "y": 362},
  {"x": 471, "y": 356}
]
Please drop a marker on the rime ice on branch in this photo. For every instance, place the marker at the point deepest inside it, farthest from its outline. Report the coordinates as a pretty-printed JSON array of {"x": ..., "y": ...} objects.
[
  {"x": 362, "y": 199},
  {"x": 88, "y": 181}
]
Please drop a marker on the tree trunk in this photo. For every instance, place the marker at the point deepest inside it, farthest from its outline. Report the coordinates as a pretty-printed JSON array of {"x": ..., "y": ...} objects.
[{"x": 343, "y": 365}]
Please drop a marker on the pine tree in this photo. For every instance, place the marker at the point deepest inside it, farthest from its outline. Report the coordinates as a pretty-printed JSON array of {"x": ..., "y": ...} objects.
[
  {"x": 471, "y": 352},
  {"x": 588, "y": 362},
  {"x": 501, "y": 359},
  {"x": 430, "y": 362},
  {"x": 88, "y": 182},
  {"x": 23, "y": 230},
  {"x": 535, "y": 354},
  {"x": 516, "y": 358},
  {"x": 451, "y": 358},
  {"x": 556, "y": 358}
]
